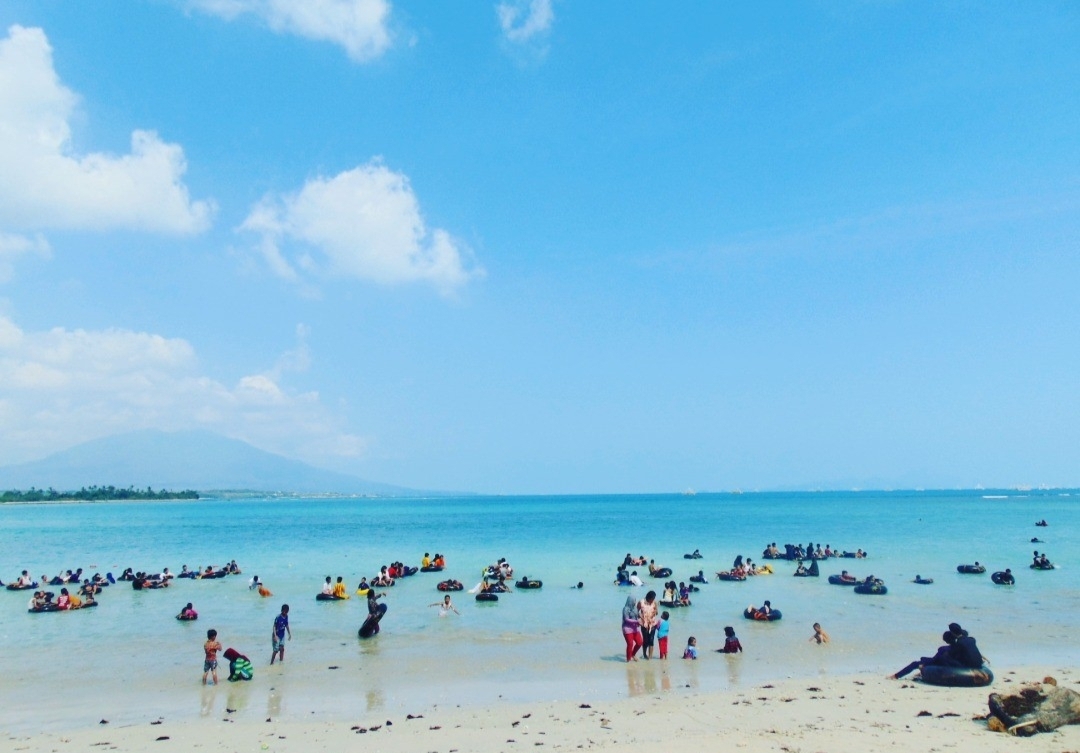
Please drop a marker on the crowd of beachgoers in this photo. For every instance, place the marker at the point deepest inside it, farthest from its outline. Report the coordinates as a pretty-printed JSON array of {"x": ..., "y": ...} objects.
[{"x": 644, "y": 620}]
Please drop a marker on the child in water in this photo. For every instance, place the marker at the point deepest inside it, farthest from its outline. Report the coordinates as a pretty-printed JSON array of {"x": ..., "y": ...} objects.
[
  {"x": 819, "y": 635},
  {"x": 731, "y": 643},
  {"x": 211, "y": 648},
  {"x": 691, "y": 648},
  {"x": 662, "y": 634}
]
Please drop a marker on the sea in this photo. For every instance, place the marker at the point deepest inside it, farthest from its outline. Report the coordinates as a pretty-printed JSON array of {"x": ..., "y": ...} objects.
[{"x": 129, "y": 660}]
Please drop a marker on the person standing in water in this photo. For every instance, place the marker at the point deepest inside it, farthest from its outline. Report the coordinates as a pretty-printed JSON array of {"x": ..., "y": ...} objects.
[
  {"x": 649, "y": 620},
  {"x": 631, "y": 628},
  {"x": 277, "y": 636}
]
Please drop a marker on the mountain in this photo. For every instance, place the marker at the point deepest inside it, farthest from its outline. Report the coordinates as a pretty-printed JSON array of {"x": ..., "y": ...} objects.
[{"x": 198, "y": 460}]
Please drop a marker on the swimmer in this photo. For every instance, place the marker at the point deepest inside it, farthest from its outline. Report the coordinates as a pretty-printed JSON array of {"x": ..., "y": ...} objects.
[{"x": 445, "y": 606}]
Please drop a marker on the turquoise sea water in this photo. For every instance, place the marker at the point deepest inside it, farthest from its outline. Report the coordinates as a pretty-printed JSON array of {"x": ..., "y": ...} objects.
[{"x": 129, "y": 659}]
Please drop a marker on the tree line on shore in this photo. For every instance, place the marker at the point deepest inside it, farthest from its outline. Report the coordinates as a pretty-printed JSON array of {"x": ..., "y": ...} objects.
[{"x": 92, "y": 494}]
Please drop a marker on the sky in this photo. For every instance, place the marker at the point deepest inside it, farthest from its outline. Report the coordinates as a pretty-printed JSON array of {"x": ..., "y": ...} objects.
[{"x": 544, "y": 246}]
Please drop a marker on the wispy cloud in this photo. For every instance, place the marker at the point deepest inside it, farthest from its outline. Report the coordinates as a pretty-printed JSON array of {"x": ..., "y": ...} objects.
[
  {"x": 523, "y": 20},
  {"x": 362, "y": 224},
  {"x": 60, "y": 387},
  {"x": 14, "y": 246},
  {"x": 45, "y": 185},
  {"x": 358, "y": 26}
]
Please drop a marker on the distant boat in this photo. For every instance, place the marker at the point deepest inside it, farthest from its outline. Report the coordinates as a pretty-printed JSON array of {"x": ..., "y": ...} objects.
[{"x": 689, "y": 492}]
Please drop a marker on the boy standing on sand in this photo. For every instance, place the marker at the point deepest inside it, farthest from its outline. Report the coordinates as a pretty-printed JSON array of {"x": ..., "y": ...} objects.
[
  {"x": 211, "y": 647},
  {"x": 281, "y": 627}
]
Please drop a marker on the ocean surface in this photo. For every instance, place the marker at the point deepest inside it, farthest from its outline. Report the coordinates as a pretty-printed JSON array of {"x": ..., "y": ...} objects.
[{"x": 129, "y": 659}]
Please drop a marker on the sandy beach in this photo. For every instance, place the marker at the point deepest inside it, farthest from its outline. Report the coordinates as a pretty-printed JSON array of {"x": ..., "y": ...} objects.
[{"x": 853, "y": 713}]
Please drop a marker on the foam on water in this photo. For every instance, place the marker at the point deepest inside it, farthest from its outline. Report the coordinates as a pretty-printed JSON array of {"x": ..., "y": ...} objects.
[{"x": 129, "y": 657}]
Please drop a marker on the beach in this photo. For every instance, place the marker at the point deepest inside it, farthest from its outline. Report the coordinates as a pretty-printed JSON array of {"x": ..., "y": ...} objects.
[
  {"x": 555, "y": 645},
  {"x": 848, "y": 714}
]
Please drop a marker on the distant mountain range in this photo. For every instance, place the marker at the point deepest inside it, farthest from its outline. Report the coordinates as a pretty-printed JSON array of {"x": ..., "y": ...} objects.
[{"x": 198, "y": 460}]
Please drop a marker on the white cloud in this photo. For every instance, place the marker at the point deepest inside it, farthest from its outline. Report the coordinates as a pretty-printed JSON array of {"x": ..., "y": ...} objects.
[
  {"x": 44, "y": 185},
  {"x": 62, "y": 387},
  {"x": 14, "y": 246},
  {"x": 524, "y": 19},
  {"x": 364, "y": 224},
  {"x": 359, "y": 26}
]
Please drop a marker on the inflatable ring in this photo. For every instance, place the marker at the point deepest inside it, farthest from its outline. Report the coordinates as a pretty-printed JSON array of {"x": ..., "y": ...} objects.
[
  {"x": 663, "y": 572},
  {"x": 729, "y": 576},
  {"x": 1003, "y": 579},
  {"x": 874, "y": 589},
  {"x": 923, "y": 581},
  {"x": 450, "y": 585},
  {"x": 431, "y": 569},
  {"x": 182, "y": 618},
  {"x": 773, "y": 616},
  {"x": 672, "y": 604},
  {"x": 17, "y": 587},
  {"x": 527, "y": 584},
  {"x": 970, "y": 569},
  {"x": 371, "y": 624},
  {"x": 956, "y": 677},
  {"x": 487, "y": 596},
  {"x": 327, "y": 597},
  {"x": 836, "y": 580},
  {"x": 1048, "y": 566}
]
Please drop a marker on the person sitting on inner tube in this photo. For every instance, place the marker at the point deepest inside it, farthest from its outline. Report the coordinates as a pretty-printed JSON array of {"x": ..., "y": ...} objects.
[
  {"x": 669, "y": 592},
  {"x": 684, "y": 595},
  {"x": 635, "y": 580},
  {"x": 943, "y": 657},
  {"x": 965, "y": 650},
  {"x": 766, "y": 608},
  {"x": 845, "y": 576},
  {"x": 188, "y": 613},
  {"x": 328, "y": 587},
  {"x": 363, "y": 586},
  {"x": 339, "y": 590}
]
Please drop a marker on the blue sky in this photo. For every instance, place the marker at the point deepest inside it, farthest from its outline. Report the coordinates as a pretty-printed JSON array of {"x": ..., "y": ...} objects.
[{"x": 549, "y": 246}]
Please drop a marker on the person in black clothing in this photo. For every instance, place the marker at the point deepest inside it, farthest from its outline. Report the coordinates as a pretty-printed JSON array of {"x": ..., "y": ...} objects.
[
  {"x": 943, "y": 657},
  {"x": 965, "y": 650}
]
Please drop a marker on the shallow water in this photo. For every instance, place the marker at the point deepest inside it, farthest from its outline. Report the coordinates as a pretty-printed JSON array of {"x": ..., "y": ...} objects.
[{"x": 129, "y": 659}]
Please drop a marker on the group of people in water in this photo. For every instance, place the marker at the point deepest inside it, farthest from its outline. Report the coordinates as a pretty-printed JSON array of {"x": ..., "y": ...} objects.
[
  {"x": 808, "y": 552},
  {"x": 42, "y": 601},
  {"x": 646, "y": 631}
]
